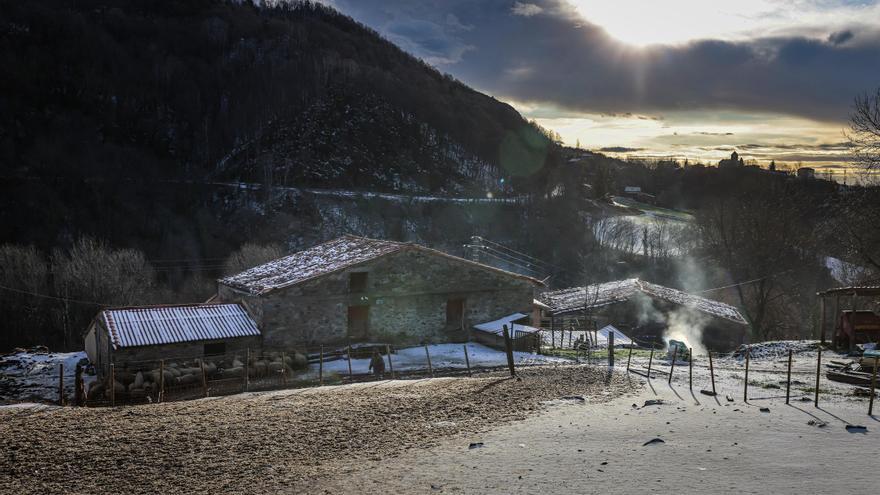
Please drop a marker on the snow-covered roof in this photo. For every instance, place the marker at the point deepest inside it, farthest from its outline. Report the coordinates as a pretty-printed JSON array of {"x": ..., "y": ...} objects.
[
  {"x": 332, "y": 256},
  {"x": 619, "y": 337},
  {"x": 154, "y": 325},
  {"x": 598, "y": 295},
  {"x": 497, "y": 326}
]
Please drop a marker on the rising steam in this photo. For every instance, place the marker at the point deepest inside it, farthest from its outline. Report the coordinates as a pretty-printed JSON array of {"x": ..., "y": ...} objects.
[{"x": 686, "y": 325}]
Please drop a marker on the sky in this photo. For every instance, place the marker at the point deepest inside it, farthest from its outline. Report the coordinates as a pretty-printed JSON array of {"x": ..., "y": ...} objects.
[{"x": 695, "y": 79}]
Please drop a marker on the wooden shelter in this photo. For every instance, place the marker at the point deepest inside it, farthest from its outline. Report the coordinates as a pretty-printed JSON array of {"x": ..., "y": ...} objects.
[{"x": 853, "y": 315}]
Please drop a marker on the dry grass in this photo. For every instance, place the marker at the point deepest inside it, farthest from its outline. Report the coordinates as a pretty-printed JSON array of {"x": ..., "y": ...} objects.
[{"x": 268, "y": 442}]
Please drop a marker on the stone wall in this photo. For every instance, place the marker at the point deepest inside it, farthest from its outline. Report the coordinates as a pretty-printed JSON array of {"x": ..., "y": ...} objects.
[{"x": 407, "y": 294}]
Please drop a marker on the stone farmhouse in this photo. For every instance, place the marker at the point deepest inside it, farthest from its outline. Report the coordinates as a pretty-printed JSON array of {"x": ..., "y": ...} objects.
[{"x": 355, "y": 289}]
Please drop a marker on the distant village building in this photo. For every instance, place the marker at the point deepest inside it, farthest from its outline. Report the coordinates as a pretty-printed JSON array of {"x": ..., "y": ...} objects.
[
  {"x": 735, "y": 161},
  {"x": 637, "y": 194},
  {"x": 151, "y": 333},
  {"x": 358, "y": 289},
  {"x": 645, "y": 311},
  {"x": 806, "y": 173}
]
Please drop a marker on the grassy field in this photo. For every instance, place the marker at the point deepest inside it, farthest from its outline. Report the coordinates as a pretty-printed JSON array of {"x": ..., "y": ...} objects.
[{"x": 653, "y": 209}]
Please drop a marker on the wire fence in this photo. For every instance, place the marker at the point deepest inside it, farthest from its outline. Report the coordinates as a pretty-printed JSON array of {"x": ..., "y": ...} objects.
[
  {"x": 190, "y": 377},
  {"x": 185, "y": 378}
]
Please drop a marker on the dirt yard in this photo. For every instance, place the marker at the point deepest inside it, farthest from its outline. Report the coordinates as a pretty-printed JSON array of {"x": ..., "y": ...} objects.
[
  {"x": 268, "y": 442},
  {"x": 706, "y": 444}
]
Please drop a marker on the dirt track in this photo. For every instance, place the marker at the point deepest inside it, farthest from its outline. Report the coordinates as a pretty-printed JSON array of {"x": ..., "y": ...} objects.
[{"x": 266, "y": 442}]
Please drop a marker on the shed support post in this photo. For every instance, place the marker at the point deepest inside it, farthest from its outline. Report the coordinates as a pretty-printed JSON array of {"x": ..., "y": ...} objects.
[{"x": 508, "y": 346}]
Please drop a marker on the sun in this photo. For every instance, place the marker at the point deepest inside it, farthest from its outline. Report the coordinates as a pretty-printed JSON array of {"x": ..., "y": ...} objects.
[{"x": 643, "y": 23}]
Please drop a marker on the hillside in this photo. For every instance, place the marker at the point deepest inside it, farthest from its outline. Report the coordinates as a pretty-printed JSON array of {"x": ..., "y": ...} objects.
[{"x": 101, "y": 97}]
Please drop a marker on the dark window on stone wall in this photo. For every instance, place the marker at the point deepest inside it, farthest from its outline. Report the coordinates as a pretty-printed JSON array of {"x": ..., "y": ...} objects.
[
  {"x": 357, "y": 282},
  {"x": 215, "y": 349}
]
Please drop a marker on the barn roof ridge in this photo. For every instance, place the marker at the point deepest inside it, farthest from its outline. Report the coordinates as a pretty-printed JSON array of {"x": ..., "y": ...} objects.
[
  {"x": 574, "y": 298},
  {"x": 332, "y": 256}
]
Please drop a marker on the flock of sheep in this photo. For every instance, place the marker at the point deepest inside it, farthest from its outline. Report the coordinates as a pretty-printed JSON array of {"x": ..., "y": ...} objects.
[{"x": 139, "y": 383}]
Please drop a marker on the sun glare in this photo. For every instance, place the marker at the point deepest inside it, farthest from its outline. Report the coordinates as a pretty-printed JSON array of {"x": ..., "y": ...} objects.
[{"x": 641, "y": 23}]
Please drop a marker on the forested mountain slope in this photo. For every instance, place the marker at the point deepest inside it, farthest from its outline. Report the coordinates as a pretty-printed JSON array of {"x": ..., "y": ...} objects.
[{"x": 96, "y": 94}]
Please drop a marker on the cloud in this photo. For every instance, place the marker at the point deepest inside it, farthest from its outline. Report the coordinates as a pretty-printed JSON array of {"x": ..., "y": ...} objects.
[
  {"x": 619, "y": 149},
  {"x": 526, "y": 9},
  {"x": 560, "y": 59},
  {"x": 428, "y": 39},
  {"x": 840, "y": 37}
]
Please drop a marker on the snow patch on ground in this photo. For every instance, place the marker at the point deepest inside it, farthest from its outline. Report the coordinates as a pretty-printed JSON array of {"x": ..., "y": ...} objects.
[
  {"x": 33, "y": 376},
  {"x": 442, "y": 356},
  {"x": 776, "y": 348}
]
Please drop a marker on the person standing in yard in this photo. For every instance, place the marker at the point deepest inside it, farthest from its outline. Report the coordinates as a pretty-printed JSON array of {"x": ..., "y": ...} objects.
[{"x": 377, "y": 364}]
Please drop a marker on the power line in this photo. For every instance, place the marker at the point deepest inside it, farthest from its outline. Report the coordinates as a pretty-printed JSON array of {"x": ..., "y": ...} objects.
[
  {"x": 512, "y": 258},
  {"x": 536, "y": 260},
  {"x": 56, "y": 298}
]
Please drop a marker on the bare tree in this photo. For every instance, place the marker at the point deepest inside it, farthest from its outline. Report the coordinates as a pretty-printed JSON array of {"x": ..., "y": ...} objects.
[
  {"x": 91, "y": 275},
  {"x": 864, "y": 132},
  {"x": 251, "y": 255},
  {"x": 760, "y": 241},
  {"x": 23, "y": 277},
  {"x": 860, "y": 209}
]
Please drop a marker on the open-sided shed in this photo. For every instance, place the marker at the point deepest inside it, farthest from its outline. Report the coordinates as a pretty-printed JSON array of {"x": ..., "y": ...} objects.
[{"x": 851, "y": 314}]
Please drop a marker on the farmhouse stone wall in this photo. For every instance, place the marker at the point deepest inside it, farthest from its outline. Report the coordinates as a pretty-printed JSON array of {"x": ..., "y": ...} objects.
[{"x": 407, "y": 294}]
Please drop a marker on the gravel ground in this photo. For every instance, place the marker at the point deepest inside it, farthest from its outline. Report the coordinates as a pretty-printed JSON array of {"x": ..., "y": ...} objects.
[{"x": 271, "y": 441}]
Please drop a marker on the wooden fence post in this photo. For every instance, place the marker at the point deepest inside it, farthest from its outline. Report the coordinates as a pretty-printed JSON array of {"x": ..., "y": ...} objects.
[
  {"x": 746, "y": 384},
  {"x": 161, "y": 381},
  {"x": 390, "y": 363},
  {"x": 350, "y": 373},
  {"x": 712, "y": 373},
  {"x": 672, "y": 368},
  {"x": 873, "y": 387},
  {"x": 691, "y": 368},
  {"x": 611, "y": 349},
  {"x": 247, "y": 370},
  {"x": 788, "y": 379},
  {"x": 78, "y": 387},
  {"x": 629, "y": 357},
  {"x": 467, "y": 360},
  {"x": 112, "y": 384},
  {"x": 321, "y": 367},
  {"x": 204, "y": 377},
  {"x": 818, "y": 374},
  {"x": 508, "y": 346},
  {"x": 60, "y": 384},
  {"x": 650, "y": 361},
  {"x": 428, "y": 354}
]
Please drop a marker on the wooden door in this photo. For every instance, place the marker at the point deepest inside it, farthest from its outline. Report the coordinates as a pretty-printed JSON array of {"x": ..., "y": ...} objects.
[{"x": 358, "y": 323}]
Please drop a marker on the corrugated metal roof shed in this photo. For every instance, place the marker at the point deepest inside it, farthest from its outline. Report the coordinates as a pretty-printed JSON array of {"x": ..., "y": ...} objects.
[{"x": 154, "y": 325}]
